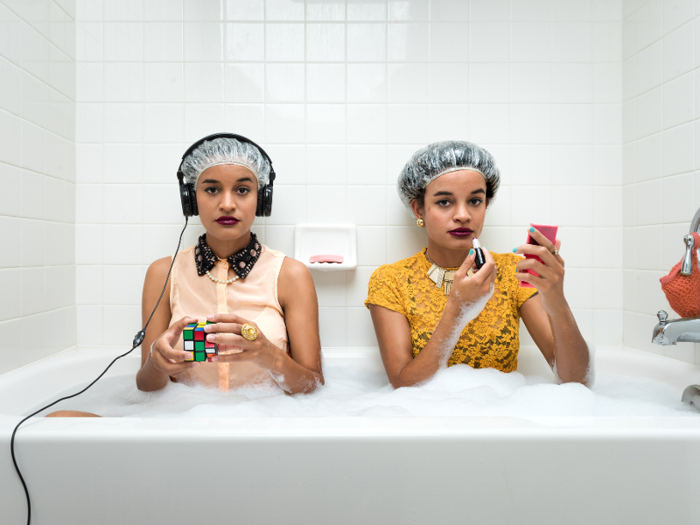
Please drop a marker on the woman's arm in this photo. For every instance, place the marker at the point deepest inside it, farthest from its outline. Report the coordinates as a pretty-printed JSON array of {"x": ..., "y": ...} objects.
[
  {"x": 467, "y": 299},
  {"x": 165, "y": 361},
  {"x": 300, "y": 370},
  {"x": 548, "y": 317}
]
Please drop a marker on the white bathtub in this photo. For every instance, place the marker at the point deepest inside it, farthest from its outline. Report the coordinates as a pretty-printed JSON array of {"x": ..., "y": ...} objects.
[{"x": 348, "y": 470}]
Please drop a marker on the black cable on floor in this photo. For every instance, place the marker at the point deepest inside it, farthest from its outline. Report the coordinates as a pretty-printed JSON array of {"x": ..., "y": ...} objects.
[{"x": 138, "y": 339}]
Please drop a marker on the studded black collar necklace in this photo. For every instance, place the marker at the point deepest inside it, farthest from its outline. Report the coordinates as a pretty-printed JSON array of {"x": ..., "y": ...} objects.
[{"x": 241, "y": 262}]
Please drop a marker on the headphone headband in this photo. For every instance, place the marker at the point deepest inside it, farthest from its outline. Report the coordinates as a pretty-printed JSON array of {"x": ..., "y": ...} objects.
[{"x": 187, "y": 191}]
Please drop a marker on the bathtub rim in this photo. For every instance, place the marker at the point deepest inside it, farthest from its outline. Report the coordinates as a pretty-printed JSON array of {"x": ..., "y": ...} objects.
[{"x": 614, "y": 359}]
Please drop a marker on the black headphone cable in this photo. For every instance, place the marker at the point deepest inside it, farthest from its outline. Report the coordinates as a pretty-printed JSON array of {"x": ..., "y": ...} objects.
[{"x": 138, "y": 339}]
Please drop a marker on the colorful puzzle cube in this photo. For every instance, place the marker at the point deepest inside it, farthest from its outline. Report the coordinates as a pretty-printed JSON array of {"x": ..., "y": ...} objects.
[{"x": 196, "y": 342}]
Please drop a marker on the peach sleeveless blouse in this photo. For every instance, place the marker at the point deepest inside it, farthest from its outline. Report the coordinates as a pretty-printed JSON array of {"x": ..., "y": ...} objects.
[{"x": 253, "y": 298}]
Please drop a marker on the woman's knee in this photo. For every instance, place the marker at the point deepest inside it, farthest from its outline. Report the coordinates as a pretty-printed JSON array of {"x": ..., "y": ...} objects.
[{"x": 71, "y": 413}]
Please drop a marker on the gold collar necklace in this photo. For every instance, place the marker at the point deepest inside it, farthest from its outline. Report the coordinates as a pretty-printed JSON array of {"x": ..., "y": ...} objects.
[
  {"x": 442, "y": 276},
  {"x": 439, "y": 276}
]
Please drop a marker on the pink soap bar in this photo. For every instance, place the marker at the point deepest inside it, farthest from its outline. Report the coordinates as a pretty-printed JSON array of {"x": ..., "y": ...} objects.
[
  {"x": 326, "y": 258},
  {"x": 548, "y": 231}
]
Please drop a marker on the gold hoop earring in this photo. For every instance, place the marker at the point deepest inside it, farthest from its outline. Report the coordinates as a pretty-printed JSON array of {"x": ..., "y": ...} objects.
[{"x": 420, "y": 223}]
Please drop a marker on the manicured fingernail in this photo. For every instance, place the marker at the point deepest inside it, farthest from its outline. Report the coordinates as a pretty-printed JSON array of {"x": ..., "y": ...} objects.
[
  {"x": 190, "y": 355},
  {"x": 210, "y": 317},
  {"x": 515, "y": 250},
  {"x": 207, "y": 328},
  {"x": 214, "y": 359},
  {"x": 532, "y": 230},
  {"x": 471, "y": 251},
  {"x": 210, "y": 337}
]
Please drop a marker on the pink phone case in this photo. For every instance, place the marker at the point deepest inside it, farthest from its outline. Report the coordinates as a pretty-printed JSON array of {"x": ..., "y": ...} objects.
[{"x": 548, "y": 231}]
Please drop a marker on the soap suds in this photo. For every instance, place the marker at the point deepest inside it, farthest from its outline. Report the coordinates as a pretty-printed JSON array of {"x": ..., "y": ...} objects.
[
  {"x": 467, "y": 313},
  {"x": 457, "y": 391}
]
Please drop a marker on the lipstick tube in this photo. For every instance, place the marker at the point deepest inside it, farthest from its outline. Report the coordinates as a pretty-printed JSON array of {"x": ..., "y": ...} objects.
[{"x": 479, "y": 259}]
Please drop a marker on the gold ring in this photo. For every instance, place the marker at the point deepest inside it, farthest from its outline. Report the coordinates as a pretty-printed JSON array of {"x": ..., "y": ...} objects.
[
  {"x": 249, "y": 332},
  {"x": 555, "y": 252}
]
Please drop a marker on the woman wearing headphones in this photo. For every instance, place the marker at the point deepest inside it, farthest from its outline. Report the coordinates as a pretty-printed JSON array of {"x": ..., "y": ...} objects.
[{"x": 263, "y": 305}]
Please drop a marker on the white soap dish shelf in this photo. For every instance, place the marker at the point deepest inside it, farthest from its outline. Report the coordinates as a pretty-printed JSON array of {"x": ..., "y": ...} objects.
[{"x": 326, "y": 239}]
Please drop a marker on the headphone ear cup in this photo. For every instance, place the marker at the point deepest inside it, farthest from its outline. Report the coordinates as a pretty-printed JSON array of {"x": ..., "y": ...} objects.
[
  {"x": 264, "y": 202},
  {"x": 188, "y": 200},
  {"x": 268, "y": 201},
  {"x": 193, "y": 200}
]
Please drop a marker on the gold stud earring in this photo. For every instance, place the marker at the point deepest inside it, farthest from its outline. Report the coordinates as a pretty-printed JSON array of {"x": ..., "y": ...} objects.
[{"x": 420, "y": 223}]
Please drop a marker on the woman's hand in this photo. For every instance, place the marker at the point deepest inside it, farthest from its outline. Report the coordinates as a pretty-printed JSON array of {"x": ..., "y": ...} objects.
[
  {"x": 468, "y": 290},
  {"x": 227, "y": 334},
  {"x": 165, "y": 357},
  {"x": 550, "y": 281}
]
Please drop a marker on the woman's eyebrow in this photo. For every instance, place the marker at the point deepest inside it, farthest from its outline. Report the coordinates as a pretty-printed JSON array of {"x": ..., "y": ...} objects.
[
  {"x": 214, "y": 181},
  {"x": 436, "y": 194}
]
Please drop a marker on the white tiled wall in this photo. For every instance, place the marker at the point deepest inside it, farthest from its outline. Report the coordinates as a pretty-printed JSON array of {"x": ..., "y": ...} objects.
[
  {"x": 661, "y": 130},
  {"x": 37, "y": 177},
  {"x": 340, "y": 94}
]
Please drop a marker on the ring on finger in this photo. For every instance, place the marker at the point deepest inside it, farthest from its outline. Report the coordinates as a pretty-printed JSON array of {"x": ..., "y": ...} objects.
[
  {"x": 555, "y": 252},
  {"x": 249, "y": 332}
]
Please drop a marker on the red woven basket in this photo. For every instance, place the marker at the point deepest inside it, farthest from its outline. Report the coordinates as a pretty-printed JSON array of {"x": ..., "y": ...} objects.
[{"x": 683, "y": 291}]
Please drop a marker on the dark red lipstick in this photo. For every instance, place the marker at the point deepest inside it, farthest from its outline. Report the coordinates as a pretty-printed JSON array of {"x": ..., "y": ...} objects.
[
  {"x": 461, "y": 232},
  {"x": 227, "y": 221}
]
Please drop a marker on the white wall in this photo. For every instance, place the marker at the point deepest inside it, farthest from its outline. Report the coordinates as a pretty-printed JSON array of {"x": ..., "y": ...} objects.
[
  {"x": 661, "y": 117},
  {"x": 340, "y": 94},
  {"x": 37, "y": 177}
]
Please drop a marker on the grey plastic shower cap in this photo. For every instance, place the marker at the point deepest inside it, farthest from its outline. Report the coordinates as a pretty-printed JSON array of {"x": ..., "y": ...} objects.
[
  {"x": 436, "y": 159},
  {"x": 226, "y": 150}
]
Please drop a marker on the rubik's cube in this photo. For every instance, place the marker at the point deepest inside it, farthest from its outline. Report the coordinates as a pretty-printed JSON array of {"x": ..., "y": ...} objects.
[{"x": 195, "y": 339}]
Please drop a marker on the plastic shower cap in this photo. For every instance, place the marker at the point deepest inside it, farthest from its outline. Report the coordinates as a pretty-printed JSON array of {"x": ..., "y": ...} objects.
[
  {"x": 226, "y": 150},
  {"x": 436, "y": 159}
]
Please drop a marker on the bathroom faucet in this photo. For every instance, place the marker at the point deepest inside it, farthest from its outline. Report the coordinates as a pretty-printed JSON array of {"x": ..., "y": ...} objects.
[
  {"x": 676, "y": 330},
  {"x": 682, "y": 330}
]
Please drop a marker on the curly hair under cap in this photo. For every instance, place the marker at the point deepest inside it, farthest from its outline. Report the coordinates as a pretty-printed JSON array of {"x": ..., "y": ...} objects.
[
  {"x": 436, "y": 159},
  {"x": 226, "y": 150}
]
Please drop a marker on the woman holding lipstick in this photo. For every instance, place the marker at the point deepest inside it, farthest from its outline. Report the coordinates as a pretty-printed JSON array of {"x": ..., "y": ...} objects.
[{"x": 436, "y": 309}]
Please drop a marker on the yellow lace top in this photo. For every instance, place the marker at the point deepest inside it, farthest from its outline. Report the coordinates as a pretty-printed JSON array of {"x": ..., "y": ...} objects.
[{"x": 489, "y": 341}]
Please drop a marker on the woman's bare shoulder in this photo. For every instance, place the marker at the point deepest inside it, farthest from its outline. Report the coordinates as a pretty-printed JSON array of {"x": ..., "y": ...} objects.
[
  {"x": 294, "y": 271},
  {"x": 158, "y": 269}
]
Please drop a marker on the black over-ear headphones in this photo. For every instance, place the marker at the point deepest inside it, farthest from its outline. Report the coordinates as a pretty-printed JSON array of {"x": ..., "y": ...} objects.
[{"x": 187, "y": 191}]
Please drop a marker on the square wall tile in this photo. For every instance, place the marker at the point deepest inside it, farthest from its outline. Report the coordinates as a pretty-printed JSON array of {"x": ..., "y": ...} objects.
[
  {"x": 284, "y": 42},
  {"x": 245, "y": 42},
  {"x": 679, "y": 149},
  {"x": 489, "y": 42},
  {"x": 448, "y": 41},
  {"x": 203, "y": 41},
  {"x": 366, "y": 42},
  {"x": 325, "y": 42}
]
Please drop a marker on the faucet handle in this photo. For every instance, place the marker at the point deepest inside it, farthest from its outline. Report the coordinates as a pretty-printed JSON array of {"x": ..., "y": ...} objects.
[
  {"x": 662, "y": 315},
  {"x": 687, "y": 262}
]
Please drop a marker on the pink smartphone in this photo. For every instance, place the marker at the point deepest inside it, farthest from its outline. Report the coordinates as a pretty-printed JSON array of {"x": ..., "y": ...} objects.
[{"x": 548, "y": 231}]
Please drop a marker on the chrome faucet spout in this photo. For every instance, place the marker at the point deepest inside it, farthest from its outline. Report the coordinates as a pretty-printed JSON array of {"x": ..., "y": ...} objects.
[{"x": 669, "y": 332}]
